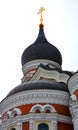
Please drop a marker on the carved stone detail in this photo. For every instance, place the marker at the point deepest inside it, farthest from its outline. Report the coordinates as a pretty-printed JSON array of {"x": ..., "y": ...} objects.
[
  {"x": 42, "y": 108},
  {"x": 52, "y": 74},
  {"x": 19, "y": 125},
  {"x": 36, "y": 63},
  {"x": 74, "y": 114},
  {"x": 31, "y": 124},
  {"x": 34, "y": 96},
  {"x": 54, "y": 125},
  {"x": 73, "y": 83},
  {"x": 32, "y": 117}
]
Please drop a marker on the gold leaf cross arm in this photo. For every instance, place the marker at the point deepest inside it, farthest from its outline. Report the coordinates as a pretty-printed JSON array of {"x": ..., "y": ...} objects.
[{"x": 40, "y": 12}]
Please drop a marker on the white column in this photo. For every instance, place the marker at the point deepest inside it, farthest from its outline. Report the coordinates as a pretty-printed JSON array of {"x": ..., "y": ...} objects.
[
  {"x": 75, "y": 123},
  {"x": 19, "y": 125},
  {"x": 74, "y": 114},
  {"x": 31, "y": 125},
  {"x": 54, "y": 124}
]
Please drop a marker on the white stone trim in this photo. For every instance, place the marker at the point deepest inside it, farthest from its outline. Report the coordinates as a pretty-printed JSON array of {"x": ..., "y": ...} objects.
[
  {"x": 74, "y": 110},
  {"x": 31, "y": 125},
  {"x": 7, "y": 116},
  {"x": 33, "y": 117},
  {"x": 34, "y": 96},
  {"x": 35, "y": 107},
  {"x": 49, "y": 107},
  {"x": 73, "y": 83},
  {"x": 50, "y": 74},
  {"x": 10, "y": 114},
  {"x": 73, "y": 98},
  {"x": 17, "y": 110},
  {"x": 54, "y": 125},
  {"x": 19, "y": 125},
  {"x": 74, "y": 114},
  {"x": 36, "y": 63},
  {"x": 42, "y": 108}
]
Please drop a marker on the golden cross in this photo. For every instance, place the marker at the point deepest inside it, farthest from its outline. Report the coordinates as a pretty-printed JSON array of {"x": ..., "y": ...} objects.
[{"x": 40, "y": 12}]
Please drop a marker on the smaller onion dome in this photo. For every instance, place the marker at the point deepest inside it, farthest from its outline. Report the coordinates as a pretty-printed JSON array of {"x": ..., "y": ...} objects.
[{"x": 41, "y": 49}]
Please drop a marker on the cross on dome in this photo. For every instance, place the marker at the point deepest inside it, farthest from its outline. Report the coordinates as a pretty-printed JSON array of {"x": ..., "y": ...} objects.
[{"x": 40, "y": 12}]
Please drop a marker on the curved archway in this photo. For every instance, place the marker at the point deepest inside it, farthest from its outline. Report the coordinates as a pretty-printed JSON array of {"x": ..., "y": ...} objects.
[
  {"x": 50, "y": 108},
  {"x": 15, "y": 112},
  {"x": 43, "y": 126},
  {"x": 36, "y": 107}
]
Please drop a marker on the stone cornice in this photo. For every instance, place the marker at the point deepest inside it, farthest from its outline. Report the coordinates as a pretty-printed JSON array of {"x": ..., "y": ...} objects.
[
  {"x": 50, "y": 74},
  {"x": 36, "y": 63},
  {"x": 34, "y": 96},
  {"x": 37, "y": 117}
]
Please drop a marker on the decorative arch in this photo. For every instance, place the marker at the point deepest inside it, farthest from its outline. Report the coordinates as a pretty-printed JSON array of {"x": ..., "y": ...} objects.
[
  {"x": 8, "y": 115},
  {"x": 50, "y": 108},
  {"x": 13, "y": 113},
  {"x": 16, "y": 111},
  {"x": 36, "y": 107},
  {"x": 43, "y": 108}
]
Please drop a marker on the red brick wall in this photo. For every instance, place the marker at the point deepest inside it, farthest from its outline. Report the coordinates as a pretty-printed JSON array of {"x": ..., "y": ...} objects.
[
  {"x": 64, "y": 126},
  {"x": 25, "y": 126}
]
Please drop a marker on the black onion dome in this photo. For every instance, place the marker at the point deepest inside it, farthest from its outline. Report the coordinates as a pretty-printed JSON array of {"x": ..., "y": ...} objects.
[
  {"x": 41, "y": 49},
  {"x": 36, "y": 85}
]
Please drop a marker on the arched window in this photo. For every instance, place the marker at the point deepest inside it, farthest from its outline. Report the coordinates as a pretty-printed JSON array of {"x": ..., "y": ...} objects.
[
  {"x": 13, "y": 129},
  {"x": 43, "y": 126}
]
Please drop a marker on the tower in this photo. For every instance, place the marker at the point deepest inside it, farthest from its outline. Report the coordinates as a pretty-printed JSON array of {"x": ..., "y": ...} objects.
[{"x": 46, "y": 99}]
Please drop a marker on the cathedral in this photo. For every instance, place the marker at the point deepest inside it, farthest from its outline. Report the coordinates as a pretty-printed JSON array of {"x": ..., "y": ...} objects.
[{"x": 47, "y": 97}]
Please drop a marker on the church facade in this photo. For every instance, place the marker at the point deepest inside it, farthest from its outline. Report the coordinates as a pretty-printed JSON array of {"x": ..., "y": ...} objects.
[{"x": 47, "y": 98}]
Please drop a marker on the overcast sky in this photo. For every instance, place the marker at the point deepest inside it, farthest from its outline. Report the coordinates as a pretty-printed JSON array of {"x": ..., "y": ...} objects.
[{"x": 19, "y": 26}]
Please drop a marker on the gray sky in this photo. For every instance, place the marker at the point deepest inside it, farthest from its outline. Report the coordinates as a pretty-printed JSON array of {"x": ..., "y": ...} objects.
[{"x": 19, "y": 23}]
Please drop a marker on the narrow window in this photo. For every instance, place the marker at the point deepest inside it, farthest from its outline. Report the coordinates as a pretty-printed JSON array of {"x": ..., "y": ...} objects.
[{"x": 43, "y": 126}]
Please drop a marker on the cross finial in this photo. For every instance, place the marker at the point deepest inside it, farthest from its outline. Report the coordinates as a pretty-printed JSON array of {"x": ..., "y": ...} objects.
[{"x": 40, "y": 12}]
